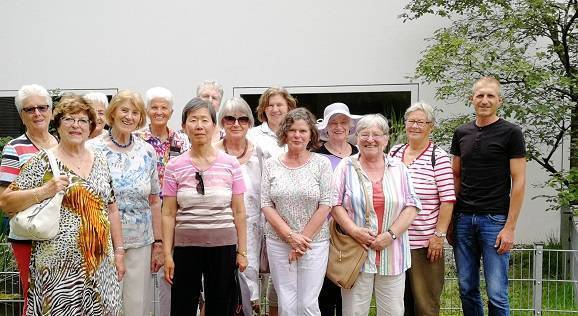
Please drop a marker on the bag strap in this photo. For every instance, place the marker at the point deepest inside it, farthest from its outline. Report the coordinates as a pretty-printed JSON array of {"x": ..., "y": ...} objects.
[
  {"x": 368, "y": 201},
  {"x": 53, "y": 163}
]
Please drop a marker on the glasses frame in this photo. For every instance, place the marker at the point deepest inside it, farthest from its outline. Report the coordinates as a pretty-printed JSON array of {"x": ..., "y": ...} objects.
[
  {"x": 69, "y": 121},
  {"x": 365, "y": 138},
  {"x": 42, "y": 108},
  {"x": 200, "y": 184},
  {"x": 231, "y": 120},
  {"x": 419, "y": 124}
]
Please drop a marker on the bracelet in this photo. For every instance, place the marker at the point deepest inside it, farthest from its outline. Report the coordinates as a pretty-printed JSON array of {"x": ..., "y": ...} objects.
[
  {"x": 119, "y": 250},
  {"x": 290, "y": 236},
  {"x": 158, "y": 241},
  {"x": 35, "y": 196},
  {"x": 242, "y": 253}
]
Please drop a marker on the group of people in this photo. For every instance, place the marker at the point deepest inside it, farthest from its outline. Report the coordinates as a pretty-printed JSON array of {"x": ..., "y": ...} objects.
[{"x": 201, "y": 203}]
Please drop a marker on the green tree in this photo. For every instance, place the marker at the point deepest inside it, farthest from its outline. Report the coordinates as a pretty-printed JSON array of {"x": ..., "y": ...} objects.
[{"x": 531, "y": 47}]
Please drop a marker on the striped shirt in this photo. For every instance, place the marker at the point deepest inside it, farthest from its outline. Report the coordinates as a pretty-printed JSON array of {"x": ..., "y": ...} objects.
[
  {"x": 398, "y": 194},
  {"x": 433, "y": 185},
  {"x": 15, "y": 153},
  {"x": 204, "y": 220}
]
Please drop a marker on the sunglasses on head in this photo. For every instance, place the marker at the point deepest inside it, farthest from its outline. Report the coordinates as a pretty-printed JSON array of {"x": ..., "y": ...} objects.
[
  {"x": 40, "y": 108},
  {"x": 230, "y": 120},
  {"x": 200, "y": 183}
]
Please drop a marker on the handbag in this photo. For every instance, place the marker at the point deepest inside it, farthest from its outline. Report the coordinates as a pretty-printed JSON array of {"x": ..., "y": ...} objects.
[
  {"x": 40, "y": 221},
  {"x": 346, "y": 255},
  {"x": 263, "y": 259},
  {"x": 237, "y": 296}
]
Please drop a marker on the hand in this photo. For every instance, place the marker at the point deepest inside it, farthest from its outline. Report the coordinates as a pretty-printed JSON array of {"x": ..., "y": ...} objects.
[
  {"x": 435, "y": 249},
  {"x": 505, "y": 240},
  {"x": 381, "y": 242},
  {"x": 54, "y": 185},
  {"x": 294, "y": 255},
  {"x": 242, "y": 262},
  {"x": 119, "y": 264},
  {"x": 169, "y": 269},
  {"x": 300, "y": 242},
  {"x": 157, "y": 258},
  {"x": 363, "y": 236}
]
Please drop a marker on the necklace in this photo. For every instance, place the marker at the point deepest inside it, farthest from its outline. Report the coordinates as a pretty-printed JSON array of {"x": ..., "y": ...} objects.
[
  {"x": 116, "y": 143},
  {"x": 244, "y": 150}
]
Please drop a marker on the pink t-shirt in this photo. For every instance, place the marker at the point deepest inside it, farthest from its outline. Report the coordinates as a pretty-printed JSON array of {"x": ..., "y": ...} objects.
[
  {"x": 433, "y": 185},
  {"x": 204, "y": 220}
]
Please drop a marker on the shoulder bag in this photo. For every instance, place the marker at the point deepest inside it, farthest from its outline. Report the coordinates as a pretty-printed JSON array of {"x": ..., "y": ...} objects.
[
  {"x": 346, "y": 255},
  {"x": 40, "y": 221}
]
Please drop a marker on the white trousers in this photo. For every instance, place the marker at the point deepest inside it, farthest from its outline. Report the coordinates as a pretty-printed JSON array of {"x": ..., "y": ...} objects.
[
  {"x": 249, "y": 279},
  {"x": 389, "y": 292},
  {"x": 137, "y": 285},
  {"x": 297, "y": 283}
]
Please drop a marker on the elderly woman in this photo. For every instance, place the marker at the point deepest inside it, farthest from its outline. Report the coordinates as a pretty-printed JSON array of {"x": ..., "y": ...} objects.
[
  {"x": 336, "y": 126},
  {"x": 203, "y": 218},
  {"x": 433, "y": 181},
  {"x": 132, "y": 164},
  {"x": 392, "y": 205},
  {"x": 296, "y": 199},
  {"x": 99, "y": 102},
  {"x": 235, "y": 118},
  {"x": 34, "y": 105},
  {"x": 74, "y": 273},
  {"x": 167, "y": 144}
]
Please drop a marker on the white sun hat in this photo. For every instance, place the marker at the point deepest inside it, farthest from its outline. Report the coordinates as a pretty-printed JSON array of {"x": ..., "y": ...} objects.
[{"x": 333, "y": 109}]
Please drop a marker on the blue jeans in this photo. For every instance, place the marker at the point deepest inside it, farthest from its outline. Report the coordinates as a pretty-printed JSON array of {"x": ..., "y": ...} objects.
[{"x": 475, "y": 237}]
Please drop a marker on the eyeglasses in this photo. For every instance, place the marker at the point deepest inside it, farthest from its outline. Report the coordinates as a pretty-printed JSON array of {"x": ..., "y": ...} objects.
[
  {"x": 230, "y": 120},
  {"x": 200, "y": 183},
  {"x": 41, "y": 108},
  {"x": 68, "y": 121},
  {"x": 419, "y": 124},
  {"x": 366, "y": 136}
]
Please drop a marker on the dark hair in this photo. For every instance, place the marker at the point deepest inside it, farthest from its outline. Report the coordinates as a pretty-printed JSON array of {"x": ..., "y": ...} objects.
[
  {"x": 293, "y": 116},
  {"x": 74, "y": 104},
  {"x": 264, "y": 101},
  {"x": 197, "y": 103}
]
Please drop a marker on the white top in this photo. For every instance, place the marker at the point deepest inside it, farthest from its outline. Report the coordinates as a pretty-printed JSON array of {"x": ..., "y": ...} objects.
[
  {"x": 263, "y": 136},
  {"x": 296, "y": 193},
  {"x": 252, "y": 176}
]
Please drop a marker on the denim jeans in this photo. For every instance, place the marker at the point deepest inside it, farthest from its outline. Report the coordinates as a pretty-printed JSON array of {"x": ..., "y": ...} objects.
[{"x": 475, "y": 236}]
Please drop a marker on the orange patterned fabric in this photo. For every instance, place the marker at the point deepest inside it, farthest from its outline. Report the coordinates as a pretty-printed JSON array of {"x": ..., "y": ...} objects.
[{"x": 94, "y": 229}]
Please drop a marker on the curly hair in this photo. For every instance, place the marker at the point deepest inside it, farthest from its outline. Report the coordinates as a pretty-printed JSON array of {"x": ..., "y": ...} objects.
[
  {"x": 296, "y": 115},
  {"x": 74, "y": 104}
]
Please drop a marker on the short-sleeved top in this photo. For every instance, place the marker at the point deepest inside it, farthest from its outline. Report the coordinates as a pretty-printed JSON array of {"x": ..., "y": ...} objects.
[
  {"x": 266, "y": 139},
  {"x": 204, "y": 220},
  {"x": 433, "y": 185},
  {"x": 398, "y": 192},
  {"x": 296, "y": 193},
  {"x": 14, "y": 155},
  {"x": 334, "y": 159},
  {"x": 485, "y": 153},
  {"x": 165, "y": 149},
  {"x": 134, "y": 179}
]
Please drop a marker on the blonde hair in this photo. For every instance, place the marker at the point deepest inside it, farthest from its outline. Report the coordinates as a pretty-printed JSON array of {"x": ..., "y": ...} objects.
[{"x": 122, "y": 97}]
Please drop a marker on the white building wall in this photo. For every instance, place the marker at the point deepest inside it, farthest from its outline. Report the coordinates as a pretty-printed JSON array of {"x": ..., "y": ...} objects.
[{"x": 177, "y": 44}]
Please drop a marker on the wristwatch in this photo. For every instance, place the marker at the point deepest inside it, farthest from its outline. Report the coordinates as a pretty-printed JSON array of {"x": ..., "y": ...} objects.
[
  {"x": 440, "y": 234},
  {"x": 393, "y": 235}
]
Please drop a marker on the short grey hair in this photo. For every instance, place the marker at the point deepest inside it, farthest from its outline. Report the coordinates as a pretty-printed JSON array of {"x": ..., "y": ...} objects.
[
  {"x": 208, "y": 84},
  {"x": 158, "y": 93},
  {"x": 96, "y": 97},
  {"x": 197, "y": 103},
  {"x": 236, "y": 104},
  {"x": 370, "y": 120},
  {"x": 427, "y": 109},
  {"x": 31, "y": 90}
]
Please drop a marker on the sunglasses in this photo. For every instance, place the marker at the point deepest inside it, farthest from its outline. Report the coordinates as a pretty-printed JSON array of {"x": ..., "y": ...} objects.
[
  {"x": 200, "y": 183},
  {"x": 32, "y": 109},
  {"x": 230, "y": 120}
]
